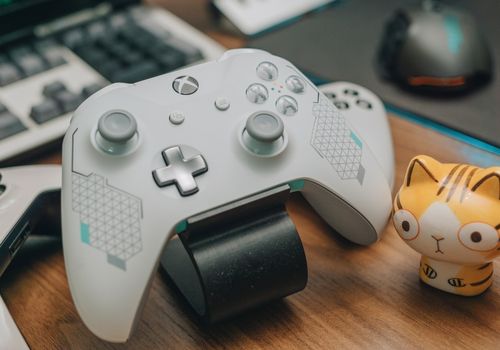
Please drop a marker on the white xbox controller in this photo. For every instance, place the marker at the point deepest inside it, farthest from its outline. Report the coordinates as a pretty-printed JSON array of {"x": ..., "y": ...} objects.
[
  {"x": 10, "y": 336},
  {"x": 26, "y": 192},
  {"x": 140, "y": 160},
  {"x": 367, "y": 114}
]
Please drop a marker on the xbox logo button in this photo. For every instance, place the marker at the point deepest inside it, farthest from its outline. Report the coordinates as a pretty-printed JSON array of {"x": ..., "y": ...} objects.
[{"x": 185, "y": 85}]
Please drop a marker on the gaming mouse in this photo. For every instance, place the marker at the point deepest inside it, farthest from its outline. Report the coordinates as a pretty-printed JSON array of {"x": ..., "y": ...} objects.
[{"x": 434, "y": 47}]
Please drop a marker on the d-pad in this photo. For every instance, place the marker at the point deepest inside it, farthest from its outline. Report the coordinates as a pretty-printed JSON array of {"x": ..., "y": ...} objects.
[{"x": 180, "y": 171}]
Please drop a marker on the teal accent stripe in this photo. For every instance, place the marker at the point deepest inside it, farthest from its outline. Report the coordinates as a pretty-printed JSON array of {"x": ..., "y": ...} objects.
[
  {"x": 181, "y": 226},
  {"x": 454, "y": 33},
  {"x": 356, "y": 139},
  {"x": 296, "y": 185},
  {"x": 84, "y": 233}
]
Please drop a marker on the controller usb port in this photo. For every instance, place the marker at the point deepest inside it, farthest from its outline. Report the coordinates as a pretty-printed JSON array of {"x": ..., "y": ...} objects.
[{"x": 21, "y": 237}]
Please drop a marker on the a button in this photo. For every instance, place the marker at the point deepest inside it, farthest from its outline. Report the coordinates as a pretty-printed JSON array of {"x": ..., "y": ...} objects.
[
  {"x": 350, "y": 92},
  {"x": 342, "y": 105},
  {"x": 222, "y": 104},
  {"x": 257, "y": 93},
  {"x": 117, "y": 127},
  {"x": 176, "y": 117},
  {"x": 267, "y": 71},
  {"x": 295, "y": 84},
  {"x": 180, "y": 171},
  {"x": 287, "y": 105},
  {"x": 364, "y": 104}
]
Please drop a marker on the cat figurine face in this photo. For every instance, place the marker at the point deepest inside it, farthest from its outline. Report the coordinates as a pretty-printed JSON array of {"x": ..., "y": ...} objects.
[{"x": 450, "y": 213}]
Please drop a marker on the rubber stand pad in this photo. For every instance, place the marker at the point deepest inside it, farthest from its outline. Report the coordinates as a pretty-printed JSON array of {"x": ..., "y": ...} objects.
[{"x": 242, "y": 259}]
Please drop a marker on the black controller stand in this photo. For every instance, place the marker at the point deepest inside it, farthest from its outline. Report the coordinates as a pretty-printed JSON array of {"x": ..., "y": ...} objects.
[{"x": 237, "y": 256}]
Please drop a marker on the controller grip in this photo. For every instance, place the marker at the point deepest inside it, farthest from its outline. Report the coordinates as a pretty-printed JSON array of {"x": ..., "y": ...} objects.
[{"x": 343, "y": 217}]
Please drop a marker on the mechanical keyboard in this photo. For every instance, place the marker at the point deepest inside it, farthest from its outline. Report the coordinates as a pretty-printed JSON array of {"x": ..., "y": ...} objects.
[{"x": 43, "y": 81}]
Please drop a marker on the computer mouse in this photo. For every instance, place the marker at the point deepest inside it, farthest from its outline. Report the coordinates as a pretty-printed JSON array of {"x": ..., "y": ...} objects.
[{"x": 435, "y": 47}]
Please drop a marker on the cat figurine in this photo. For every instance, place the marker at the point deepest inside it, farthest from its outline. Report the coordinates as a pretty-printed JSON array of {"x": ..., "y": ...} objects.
[{"x": 450, "y": 213}]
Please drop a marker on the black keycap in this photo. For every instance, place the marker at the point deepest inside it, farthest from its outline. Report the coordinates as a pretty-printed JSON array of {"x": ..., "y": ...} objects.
[
  {"x": 118, "y": 21},
  {"x": 91, "y": 89},
  {"x": 50, "y": 51},
  {"x": 97, "y": 29},
  {"x": 171, "y": 60},
  {"x": 9, "y": 125},
  {"x": 20, "y": 51},
  {"x": 74, "y": 38},
  {"x": 8, "y": 74},
  {"x": 108, "y": 68},
  {"x": 45, "y": 111},
  {"x": 141, "y": 71},
  {"x": 52, "y": 89},
  {"x": 68, "y": 101},
  {"x": 31, "y": 64},
  {"x": 119, "y": 49},
  {"x": 95, "y": 57},
  {"x": 132, "y": 57}
]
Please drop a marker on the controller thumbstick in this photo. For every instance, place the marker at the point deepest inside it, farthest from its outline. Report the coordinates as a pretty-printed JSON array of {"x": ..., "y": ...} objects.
[
  {"x": 264, "y": 134},
  {"x": 116, "y": 132}
]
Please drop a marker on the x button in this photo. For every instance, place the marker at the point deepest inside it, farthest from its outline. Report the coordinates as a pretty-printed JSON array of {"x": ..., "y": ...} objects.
[{"x": 180, "y": 171}]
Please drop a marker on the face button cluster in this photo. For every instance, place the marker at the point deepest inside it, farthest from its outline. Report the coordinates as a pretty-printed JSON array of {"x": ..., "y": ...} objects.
[
  {"x": 258, "y": 93},
  {"x": 347, "y": 98}
]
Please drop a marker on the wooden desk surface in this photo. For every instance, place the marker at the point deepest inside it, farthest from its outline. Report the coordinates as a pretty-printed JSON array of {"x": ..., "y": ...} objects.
[{"x": 356, "y": 297}]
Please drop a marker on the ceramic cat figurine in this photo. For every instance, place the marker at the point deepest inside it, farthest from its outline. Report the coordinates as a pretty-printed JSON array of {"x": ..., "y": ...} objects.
[{"x": 450, "y": 213}]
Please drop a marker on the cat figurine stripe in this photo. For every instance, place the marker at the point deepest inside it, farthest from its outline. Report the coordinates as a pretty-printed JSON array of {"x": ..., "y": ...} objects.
[{"x": 450, "y": 213}]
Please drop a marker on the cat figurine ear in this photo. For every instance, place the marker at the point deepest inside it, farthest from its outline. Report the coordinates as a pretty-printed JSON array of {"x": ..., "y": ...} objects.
[
  {"x": 487, "y": 183},
  {"x": 450, "y": 213},
  {"x": 422, "y": 170}
]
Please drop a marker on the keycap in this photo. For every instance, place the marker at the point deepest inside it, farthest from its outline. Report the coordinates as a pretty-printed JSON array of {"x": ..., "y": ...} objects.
[
  {"x": 9, "y": 125},
  {"x": 132, "y": 57},
  {"x": 19, "y": 52},
  {"x": 73, "y": 38},
  {"x": 52, "y": 89},
  {"x": 45, "y": 111},
  {"x": 141, "y": 71},
  {"x": 95, "y": 57},
  {"x": 171, "y": 60},
  {"x": 50, "y": 51},
  {"x": 91, "y": 89},
  {"x": 68, "y": 101},
  {"x": 8, "y": 74},
  {"x": 108, "y": 68},
  {"x": 97, "y": 29},
  {"x": 31, "y": 64}
]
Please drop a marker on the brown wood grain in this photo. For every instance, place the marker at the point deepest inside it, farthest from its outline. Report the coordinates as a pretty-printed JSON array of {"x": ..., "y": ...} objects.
[{"x": 356, "y": 297}]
